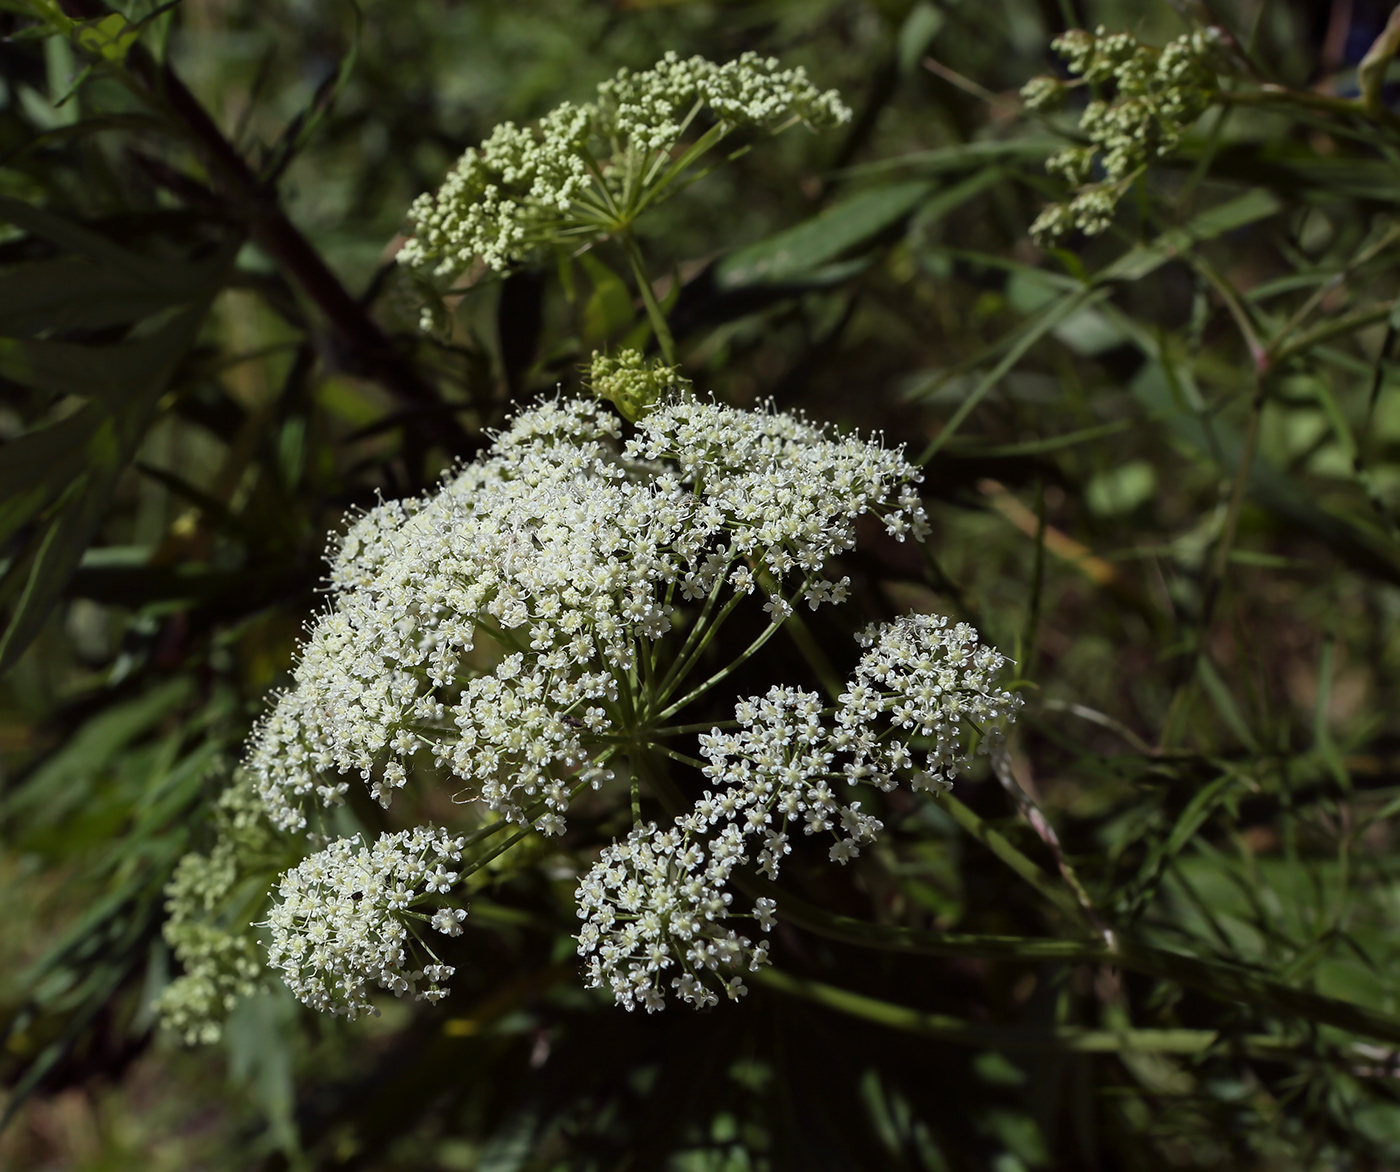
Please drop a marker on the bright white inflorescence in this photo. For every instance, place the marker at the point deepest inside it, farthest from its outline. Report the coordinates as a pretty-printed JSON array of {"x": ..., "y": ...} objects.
[
  {"x": 505, "y": 626},
  {"x": 921, "y": 678},
  {"x": 657, "y": 901},
  {"x": 525, "y": 187},
  {"x": 568, "y": 551},
  {"x": 341, "y": 922},
  {"x": 780, "y": 766},
  {"x": 649, "y": 108}
]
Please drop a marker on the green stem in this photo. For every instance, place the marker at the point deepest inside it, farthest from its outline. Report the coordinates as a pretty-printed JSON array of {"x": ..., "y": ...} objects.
[
  {"x": 1032, "y": 813},
  {"x": 699, "y": 638},
  {"x": 1013, "y": 858},
  {"x": 703, "y": 726},
  {"x": 943, "y": 1028},
  {"x": 1221, "y": 563},
  {"x": 1346, "y": 324},
  {"x": 683, "y": 758},
  {"x": 958, "y": 945},
  {"x": 1218, "y": 979},
  {"x": 494, "y": 853},
  {"x": 1291, "y": 327},
  {"x": 1273, "y": 95},
  {"x": 806, "y": 644},
  {"x": 702, "y": 688},
  {"x": 658, "y": 319},
  {"x": 656, "y": 189}
]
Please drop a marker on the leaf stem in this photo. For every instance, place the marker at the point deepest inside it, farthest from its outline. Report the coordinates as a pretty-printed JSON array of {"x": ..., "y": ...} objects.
[
  {"x": 654, "y": 313},
  {"x": 959, "y": 1031}
]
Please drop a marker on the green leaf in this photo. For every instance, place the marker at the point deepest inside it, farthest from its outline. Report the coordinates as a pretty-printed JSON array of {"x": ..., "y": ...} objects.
[
  {"x": 1137, "y": 263},
  {"x": 806, "y": 246},
  {"x": 609, "y": 309},
  {"x": 84, "y": 242},
  {"x": 1121, "y": 489},
  {"x": 962, "y": 157},
  {"x": 1225, "y": 705},
  {"x": 1021, "y": 340},
  {"x": 37, "y": 467},
  {"x": 50, "y": 561},
  {"x": 109, "y": 374},
  {"x": 55, "y": 296},
  {"x": 65, "y": 777},
  {"x": 70, "y": 510},
  {"x": 1214, "y": 440},
  {"x": 918, "y": 30}
]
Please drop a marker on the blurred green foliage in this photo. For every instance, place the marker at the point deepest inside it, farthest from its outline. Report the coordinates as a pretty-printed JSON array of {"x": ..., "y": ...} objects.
[{"x": 1162, "y": 467}]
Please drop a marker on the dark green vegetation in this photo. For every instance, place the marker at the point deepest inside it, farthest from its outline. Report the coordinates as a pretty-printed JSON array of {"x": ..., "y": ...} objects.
[{"x": 1161, "y": 466}]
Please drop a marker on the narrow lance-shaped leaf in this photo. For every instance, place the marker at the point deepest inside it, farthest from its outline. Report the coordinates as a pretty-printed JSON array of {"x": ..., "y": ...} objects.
[{"x": 36, "y": 578}]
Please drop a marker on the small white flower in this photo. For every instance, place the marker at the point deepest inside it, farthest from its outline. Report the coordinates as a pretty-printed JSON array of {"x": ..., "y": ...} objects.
[{"x": 449, "y": 921}]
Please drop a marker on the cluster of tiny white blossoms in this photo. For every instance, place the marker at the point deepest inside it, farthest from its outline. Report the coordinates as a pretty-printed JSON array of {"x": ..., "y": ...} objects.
[
  {"x": 566, "y": 549},
  {"x": 510, "y": 627},
  {"x": 652, "y": 109},
  {"x": 342, "y": 920},
  {"x": 1158, "y": 94},
  {"x": 575, "y": 175},
  {"x": 657, "y": 901},
  {"x": 780, "y": 765},
  {"x": 920, "y": 677}
]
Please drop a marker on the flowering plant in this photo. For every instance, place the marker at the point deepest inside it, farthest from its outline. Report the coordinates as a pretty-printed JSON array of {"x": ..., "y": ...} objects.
[
  {"x": 1156, "y": 96},
  {"x": 556, "y": 607},
  {"x": 586, "y": 172},
  {"x": 637, "y": 696}
]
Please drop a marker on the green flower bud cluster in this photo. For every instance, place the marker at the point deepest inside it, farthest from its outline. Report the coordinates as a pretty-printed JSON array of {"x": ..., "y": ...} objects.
[
  {"x": 1156, "y": 96},
  {"x": 584, "y": 172},
  {"x": 210, "y": 901},
  {"x": 632, "y": 384}
]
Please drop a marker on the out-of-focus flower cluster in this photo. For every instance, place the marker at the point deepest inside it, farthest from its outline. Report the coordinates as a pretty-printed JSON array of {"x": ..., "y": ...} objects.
[
  {"x": 343, "y": 920},
  {"x": 1156, "y": 95},
  {"x": 632, "y": 384},
  {"x": 210, "y": 901},
  {"x": 657, "y": 904},
  {"x": 586, "y": 171}
]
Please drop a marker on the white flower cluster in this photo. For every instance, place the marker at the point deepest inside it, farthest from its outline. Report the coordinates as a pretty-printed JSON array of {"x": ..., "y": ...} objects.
[
  {"x": 208, "y": 902},
  {"x": 655, "y": 900},
  {"x": 566, "y": 178},
  {"x": 658, "y": 901},
  {"x": 562, "y": 550},
  {"x": 342, "y": 920},
  {"x": 920, "y": 678},
  {"x": 650, "y": 109},
  {"x": 781, "y": 764},
  {"x": 506, "y": 196},
  {"x": 1158, "y": 94}
]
